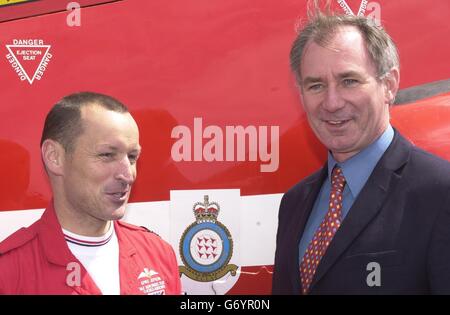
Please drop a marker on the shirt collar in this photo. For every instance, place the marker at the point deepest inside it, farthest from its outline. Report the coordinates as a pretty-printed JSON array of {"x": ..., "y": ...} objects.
[
  {"x": 54, "y": 244},
  {"x": 89, "y": 241},
  {"x": 52, "y": 238},
  {"x": 358, "y": 168}
]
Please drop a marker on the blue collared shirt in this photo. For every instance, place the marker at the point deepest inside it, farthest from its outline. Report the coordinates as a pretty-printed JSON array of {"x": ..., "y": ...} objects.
[{"x": 356, "y": 171}]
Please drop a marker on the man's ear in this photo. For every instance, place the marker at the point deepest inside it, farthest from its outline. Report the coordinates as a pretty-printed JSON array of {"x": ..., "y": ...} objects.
[
  {"x": 53, "y": 155},
  {"x": 391, "y": 82}
]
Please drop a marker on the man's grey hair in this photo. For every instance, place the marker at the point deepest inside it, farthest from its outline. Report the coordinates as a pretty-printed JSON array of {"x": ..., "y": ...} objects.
[{"x": 321, "y": 28}]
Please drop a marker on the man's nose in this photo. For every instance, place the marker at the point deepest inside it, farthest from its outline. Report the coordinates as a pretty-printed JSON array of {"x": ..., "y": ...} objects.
[
  {"x": 333, "y": 99},
  {"x": 126, "y": 171}
]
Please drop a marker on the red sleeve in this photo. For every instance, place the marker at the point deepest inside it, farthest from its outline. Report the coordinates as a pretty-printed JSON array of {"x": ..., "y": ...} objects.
[
  {"x": 176, "y": 272},
  {"x": 9, "y": 277}
]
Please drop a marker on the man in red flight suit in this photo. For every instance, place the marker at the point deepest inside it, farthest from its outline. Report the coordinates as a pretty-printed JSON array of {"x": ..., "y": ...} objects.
[{"x": 90, "y": 146}]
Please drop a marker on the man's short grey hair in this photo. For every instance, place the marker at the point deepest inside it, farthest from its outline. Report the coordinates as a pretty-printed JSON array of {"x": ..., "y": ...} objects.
[{"x": 321, "y": 28}]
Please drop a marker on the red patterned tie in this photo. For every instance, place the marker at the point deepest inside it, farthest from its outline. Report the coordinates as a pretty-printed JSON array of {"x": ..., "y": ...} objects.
[{"x": 325, "y": 232}]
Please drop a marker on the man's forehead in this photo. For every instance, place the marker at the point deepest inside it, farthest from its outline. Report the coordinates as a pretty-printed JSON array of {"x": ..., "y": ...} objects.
[
  {"x": 342, "y": 37},
  {"x": 100, "y": 123},
  {"x": 344, "y": 51},
  {"x": 99, "y": 115},
  {"x": 111, "y": 142},
  {"x": 93, "y": 108},
  {"x": 346, "y": 34}
]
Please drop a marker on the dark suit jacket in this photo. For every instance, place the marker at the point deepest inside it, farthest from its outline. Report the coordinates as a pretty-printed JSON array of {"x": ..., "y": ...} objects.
[{"x": 400, "y": 220}]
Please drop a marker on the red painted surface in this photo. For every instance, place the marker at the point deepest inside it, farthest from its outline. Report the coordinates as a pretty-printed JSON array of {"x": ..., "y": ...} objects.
[
  {"x": 223, "y": 61},
  {"x": 37, "y": 7},
  {"x": 170, "y": 62}
]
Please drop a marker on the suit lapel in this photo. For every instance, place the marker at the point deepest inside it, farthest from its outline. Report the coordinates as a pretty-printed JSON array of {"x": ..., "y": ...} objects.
[
  {"x": 303, "y": 210},
  {"x": 368, "y": 204}
]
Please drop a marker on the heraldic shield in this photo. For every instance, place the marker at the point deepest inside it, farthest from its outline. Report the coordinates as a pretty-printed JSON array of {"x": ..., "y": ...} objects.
[{"x": 206, "y": 246}]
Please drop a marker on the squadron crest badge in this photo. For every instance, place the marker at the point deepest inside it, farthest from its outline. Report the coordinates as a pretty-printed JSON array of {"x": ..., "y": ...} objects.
[{"x": 206, "y": 246}]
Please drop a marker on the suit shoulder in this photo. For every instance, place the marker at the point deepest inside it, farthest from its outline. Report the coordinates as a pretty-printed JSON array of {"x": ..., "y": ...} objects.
[
  {"x": 428, "y": 157},
  {"x": 18, "y": 239},
  {"x": 430, "y": 165}
]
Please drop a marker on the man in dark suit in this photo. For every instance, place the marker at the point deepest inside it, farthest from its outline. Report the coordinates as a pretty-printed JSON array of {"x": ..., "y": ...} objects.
[{"x": 376, "y": 218}]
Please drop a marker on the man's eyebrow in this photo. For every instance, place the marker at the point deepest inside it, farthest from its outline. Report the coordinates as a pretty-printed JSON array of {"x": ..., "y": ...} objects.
[
  {"x": 309, "y": 80},
  {"x": 107, "y": 146},
  {"x": 348, "y": 74},
  {"x": 115, "y": 148},
  {"x": 137, "y": 150}
]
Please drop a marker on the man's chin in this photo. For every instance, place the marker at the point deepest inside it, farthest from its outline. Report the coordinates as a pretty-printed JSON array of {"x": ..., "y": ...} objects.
[
  {"x": 342, "y": 153},
  {"x": 118, "y": 213}
]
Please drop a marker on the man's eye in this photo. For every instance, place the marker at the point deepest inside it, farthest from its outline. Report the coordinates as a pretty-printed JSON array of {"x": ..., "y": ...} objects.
[
  {"x": 315, "y": 87},
  {"x": 133, "y": 158},
  {"x": 106, "y": 155},
  {"x": 350, "y": 82}
]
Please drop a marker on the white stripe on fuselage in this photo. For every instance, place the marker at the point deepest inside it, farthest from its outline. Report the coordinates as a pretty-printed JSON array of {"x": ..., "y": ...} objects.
[{"x": 258, "y": 217}]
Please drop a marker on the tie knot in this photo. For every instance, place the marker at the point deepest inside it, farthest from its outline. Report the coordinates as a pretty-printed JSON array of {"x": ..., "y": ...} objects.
[{"x": 337, "y": 179}]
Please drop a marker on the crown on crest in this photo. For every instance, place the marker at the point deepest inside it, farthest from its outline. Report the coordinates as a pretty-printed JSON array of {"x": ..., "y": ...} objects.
[{"x": 206, "y": 211}]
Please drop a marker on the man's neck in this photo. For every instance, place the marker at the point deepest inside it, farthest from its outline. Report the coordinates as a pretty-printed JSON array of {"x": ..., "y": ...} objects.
[{"x": 78, "y": 222}]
